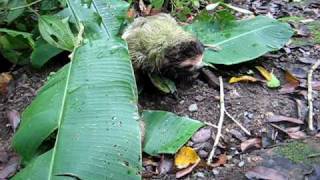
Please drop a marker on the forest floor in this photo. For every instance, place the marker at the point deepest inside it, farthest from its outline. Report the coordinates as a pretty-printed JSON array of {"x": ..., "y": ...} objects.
[{"x": 252, "y": 104}]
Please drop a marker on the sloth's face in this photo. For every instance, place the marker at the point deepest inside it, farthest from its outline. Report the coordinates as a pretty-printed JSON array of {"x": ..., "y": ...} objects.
[{"x": 183, "y": 60}]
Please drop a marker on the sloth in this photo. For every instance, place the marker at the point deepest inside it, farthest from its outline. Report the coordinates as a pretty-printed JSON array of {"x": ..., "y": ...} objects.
[{"x": 157, "y": 44}]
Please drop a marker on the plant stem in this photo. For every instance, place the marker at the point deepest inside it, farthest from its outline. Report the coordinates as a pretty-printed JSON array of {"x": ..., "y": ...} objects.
[
  {"x": 24, "y": 6},
  {"x": 220, "y": 124}
]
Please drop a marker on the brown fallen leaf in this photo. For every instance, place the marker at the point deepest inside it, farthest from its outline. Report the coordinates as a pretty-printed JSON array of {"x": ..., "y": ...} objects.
[
  {"x": 165, "y": 166},
  {"x": 244, "y": 78},
  {"x": 261, "y": 172},
  {"x": 297, "y": 135},
  {"x": 265, "y": 73},
  {"x": 291, "y": 83},
  {"x": 149, "y": 162},
  {"x": 293, "y": 129},
  {"x": 222, "y": 160},
  {"x": 14, "y": 119},
  {"x": 250, "y": 143},
  {"x": 5, "y": 79},
  {"x": 186, "y": 171},
  {"x": 279, "y": 118},
  {"x": 10, "y": 168},
  {"x": 185, "y": 157}
]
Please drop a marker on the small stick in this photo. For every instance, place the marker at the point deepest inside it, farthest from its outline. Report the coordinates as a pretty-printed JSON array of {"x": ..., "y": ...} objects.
[
  {"x": 310, "y": 103},
  {"x": 211, "y": 125},
  {"x": 237, "y": 122},
  {"x": 220, "y": 124}
]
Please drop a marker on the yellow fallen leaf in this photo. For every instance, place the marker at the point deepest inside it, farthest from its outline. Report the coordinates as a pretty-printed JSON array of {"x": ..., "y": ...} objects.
[
  {"x": 185, "y": 157},
  {"x": 265, "y": 73},
  {"x": 242, "y": 78}
]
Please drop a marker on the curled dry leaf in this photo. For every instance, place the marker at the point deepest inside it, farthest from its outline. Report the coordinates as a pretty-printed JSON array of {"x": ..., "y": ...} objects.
[
  {"x": 261, "y": 172},
  {"x": 5, "y": 79},
  {"x": 297, "y": 135},
  {"x": 279, "y": 118},
  {"x": 186, "y": 171},
  {"x": 185, "y": 157},
  {"x": 222, "y": 160},
  {"x": 265, "y": 73},
  {"x": 149, "y": 162},
  {"x": 14, "y": 119},
  {"x": 250, "y": 143},
  {"x": 166, "y": 165},
  {"x": 10, "y": 168},
  {"x": 244, "y": 78},
  {"x": 291, "y": 83},
  {"x": 272, "y": 80}
]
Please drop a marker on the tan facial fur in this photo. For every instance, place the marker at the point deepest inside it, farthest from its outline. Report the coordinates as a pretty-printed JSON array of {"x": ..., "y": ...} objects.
[{"x": 194, "y": 63}]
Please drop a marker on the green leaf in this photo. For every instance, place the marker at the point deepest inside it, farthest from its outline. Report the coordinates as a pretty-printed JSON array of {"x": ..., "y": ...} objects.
[
  {"x": 16, "y": 46},
  {"x": 92, "y": 103},
  {"x": 243, "y": 41},
  {"x": 11, "y": 15},
  {"x": 42, "y": 53},
  {"x": 157, "y": 3},
  {"x": 167, "y": 132},
  {"x": 14, "y": 33},
  {"x": 274, "y": 82},
  {"x": 56, "y": 32},
  {"x": 163, "y": 84}
]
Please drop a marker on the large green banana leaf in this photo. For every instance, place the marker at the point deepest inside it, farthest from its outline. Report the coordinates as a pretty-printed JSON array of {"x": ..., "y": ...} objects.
[
  {"x": 243, "y": 41},
  {"x": 92, "y": 103}
]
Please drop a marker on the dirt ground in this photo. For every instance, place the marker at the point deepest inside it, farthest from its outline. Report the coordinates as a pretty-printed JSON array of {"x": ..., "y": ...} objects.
[{"x": 249, "y": 103}]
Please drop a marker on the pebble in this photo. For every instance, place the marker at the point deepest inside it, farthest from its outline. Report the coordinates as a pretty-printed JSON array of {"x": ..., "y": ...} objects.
[
  {"x": 200, "y": 175},
  {"x": 203, "y": 154},
  {"x": 215, "y": 172},
  {"x": 199, "y": 98},
  {"x": 202, "y": 135},
  {"x": 193, "y": 108},
  {"x": 241, "y": 164}
]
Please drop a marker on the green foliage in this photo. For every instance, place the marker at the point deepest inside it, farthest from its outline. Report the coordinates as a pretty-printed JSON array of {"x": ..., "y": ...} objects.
[
  {"x": 15, "y": 45},
  {"x": 93, "y": 107},
  {"x": 56, "y": 32},
  {"x": 166, "y": 132},
  {"x": 261, "y": 34},
  {"x": 42, "y": 53}
]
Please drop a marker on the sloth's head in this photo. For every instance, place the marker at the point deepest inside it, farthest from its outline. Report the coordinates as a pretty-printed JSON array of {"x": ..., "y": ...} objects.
[{"x": 182, "y": 60}]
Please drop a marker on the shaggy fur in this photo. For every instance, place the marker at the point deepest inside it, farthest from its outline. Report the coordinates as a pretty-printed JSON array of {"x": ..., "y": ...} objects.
[{"x": 158, "y": 44}]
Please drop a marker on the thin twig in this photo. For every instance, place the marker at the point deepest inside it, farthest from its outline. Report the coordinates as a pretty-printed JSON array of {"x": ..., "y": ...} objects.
[
  {"x": 24, "y": 6},
  {"x": 220, "y": 124},
  {"x": 237, "y": 122},
  {"x": 310, "y": 103},
  {"x": 211, "y": 125}
]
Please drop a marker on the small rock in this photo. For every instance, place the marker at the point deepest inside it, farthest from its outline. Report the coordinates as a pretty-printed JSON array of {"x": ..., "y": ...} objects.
[
  {"x": 215, "y": 172},
  {"x": 199, "y": 98},
  {"x": 241, "y": 164},
  {"x": 199, "y": 175},
  {"x": 202, "y": 135},
  {"x": 203, "y": 146},
  {"x": 193, "y": 108},
  {"x": 181, "y": 102},
  {"x": 203, "y": 154},
  {"x": 190, "y": 143}
]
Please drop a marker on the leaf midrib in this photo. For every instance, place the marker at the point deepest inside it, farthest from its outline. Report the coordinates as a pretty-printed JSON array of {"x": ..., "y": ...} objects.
[{"x": 244, "y": 34}]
